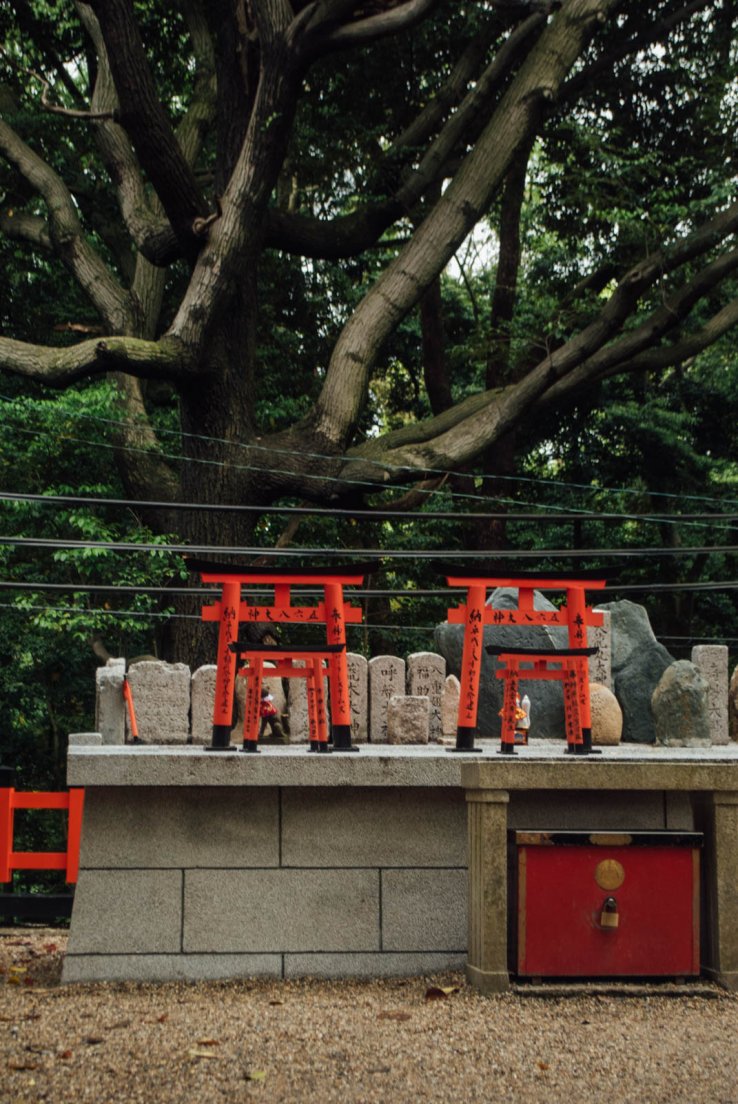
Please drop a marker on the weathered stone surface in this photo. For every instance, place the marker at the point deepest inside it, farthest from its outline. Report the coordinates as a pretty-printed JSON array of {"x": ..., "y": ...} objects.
[
  {"x": 203, "y": 698},
  {"x": 85, "y": 739},
  {"x": 711, "y": 660},
  {"x": 110, "y": 707},
  {"x": 638, "y": 662},
  {"x": 161, "y": 698},
  {"x": 733, "y": 705},
  {"x": 358, "y": 680},
  {"x": 386, "y": 679},
  {"x": 679, "y": 705},
  {"x": 607, "y": 716},
  {"x": 600, "y": 637},
  {"x": 408, "y": 719},
  {"x": 547, "y": 702},
  {"x": 450, "y": 705},
  {"x": 424, "y": 910},
  {"x": 426, "y": 676}
]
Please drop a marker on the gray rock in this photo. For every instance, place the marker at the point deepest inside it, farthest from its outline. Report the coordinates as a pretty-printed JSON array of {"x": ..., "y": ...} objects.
[
  {"x": 408, "y": 719},
  {"x": 426, "y": 676},
  {"x": 638, "y": 662},
  {"x": 161, "y": 698},
  {"x": 680, "y": 707},
  {"x": 547, "y": 701},
  {"x": 358, "y": 680},
  {"x": 110, "y": 706},
  {"x": 450, "y": 705}
]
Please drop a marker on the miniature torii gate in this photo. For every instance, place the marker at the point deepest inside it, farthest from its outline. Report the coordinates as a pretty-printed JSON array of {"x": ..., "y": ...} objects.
[
  {"x": 474, "y": 614},
  {"x": 231, "y": 610}
]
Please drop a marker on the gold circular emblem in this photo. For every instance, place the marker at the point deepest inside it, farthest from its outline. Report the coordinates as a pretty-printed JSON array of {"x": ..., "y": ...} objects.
[{"x": 609, "y": 874}]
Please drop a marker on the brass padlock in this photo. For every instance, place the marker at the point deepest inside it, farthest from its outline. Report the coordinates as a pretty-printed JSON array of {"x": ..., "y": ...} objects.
[{"x": 610, "y": 917}]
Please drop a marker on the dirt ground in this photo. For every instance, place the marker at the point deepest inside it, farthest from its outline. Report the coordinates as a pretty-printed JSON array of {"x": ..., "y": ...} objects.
[{"x": 405, "y": 1039}]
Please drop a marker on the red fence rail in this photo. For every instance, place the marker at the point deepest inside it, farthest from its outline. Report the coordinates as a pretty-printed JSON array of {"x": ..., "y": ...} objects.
[{"x": 10, "y": 799}]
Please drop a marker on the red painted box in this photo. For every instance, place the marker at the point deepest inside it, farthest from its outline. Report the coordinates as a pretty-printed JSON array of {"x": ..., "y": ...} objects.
[{"x": 608, "y": 904}]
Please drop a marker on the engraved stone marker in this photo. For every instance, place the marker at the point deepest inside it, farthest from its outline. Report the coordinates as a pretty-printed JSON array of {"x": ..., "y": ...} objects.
[
  {"x": 711, "y": 660},
  {"x": 600, "y": 665},
  {"x": 386, "y": 679},
  {"x": 426, "y": 675},
  {"x": 358, "y": 695},
  {"x": 203, "y": 697},
  {"x": 450, "y": 706},
  {"x": 161, "y": 699}
]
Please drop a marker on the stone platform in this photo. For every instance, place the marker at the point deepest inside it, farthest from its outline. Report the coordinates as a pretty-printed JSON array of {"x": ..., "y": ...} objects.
[{"x": 197, "y": 864}]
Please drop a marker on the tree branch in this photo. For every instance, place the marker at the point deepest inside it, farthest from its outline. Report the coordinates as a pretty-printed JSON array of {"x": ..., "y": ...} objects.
[
  {"x": 145, "y": 121},
  {"x": 66, "y": 234},
  {"x": 363, "y": 31},
  {"x": 163, "y": 359},
  {"x": 21, "y": 226},
  {"x": 466, "y": 198},
  {"x": 350, "y": 234}
]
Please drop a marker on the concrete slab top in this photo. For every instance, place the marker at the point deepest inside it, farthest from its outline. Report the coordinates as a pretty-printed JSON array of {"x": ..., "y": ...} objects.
[{"x": 542, "y": 765}]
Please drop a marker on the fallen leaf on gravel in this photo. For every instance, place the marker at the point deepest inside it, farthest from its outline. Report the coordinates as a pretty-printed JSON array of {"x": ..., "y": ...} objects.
[
  {"x": 439, "y": 992},
  {"x": 393, "y": 1016},
  {"x": 51, "y": 948},
  {"x": 255, "y": 1075},
  {"x": 21, "y": 1064},
  {"x": 118, "y": 1024},
  {"x": 276, "y": 1002},
  {"x": 194, "y": 1054},
  {"x": 208, "y": 1042},
  {"x": 66, "y": 1055},
  {"x": 93, "y": 1040},
  {"x": 543, "y": 1065},
  {"x": 163, "y": 1018}
]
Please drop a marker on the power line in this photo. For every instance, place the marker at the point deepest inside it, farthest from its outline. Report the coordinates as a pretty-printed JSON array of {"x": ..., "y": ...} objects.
[
  {"x": 376, "y": 515},
  {"x": 350, "y": 459},
  {"x": 372, "y": 553},
  {"x": 356, "y": 595}
]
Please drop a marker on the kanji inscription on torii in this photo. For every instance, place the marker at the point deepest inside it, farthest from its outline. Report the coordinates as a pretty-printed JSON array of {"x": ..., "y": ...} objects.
[
  {"x": 231, "y": 610},
  {"x": 474, "y": 614}
]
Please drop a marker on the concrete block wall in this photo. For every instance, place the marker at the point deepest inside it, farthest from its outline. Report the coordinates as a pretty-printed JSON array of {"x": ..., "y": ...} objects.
[
  {"x": 191, "y": 883},
  {"x": 185, "y": 882}
]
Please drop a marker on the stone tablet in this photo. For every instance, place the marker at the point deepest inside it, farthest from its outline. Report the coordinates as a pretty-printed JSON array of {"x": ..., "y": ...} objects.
[
  {"x": 450, "y": 706},
  {"x": 733, "y": 705},
  {"x": 600, "y": 665},
  {"x": 426, "y": 677},
  {"x": 386, "y": 679},
  {"x": 110, "y": 706},
  {"x": 358, "y": 681},
  {"x": 711, "y": 660},
  {"x": 203, "y": 699},
  {"x": 408, "y": 719},
  {"x": 161, "y": 699}
]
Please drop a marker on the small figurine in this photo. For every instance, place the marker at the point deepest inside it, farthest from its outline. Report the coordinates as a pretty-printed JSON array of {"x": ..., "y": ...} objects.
[
  {"x": 522, "y": 719},
  {"x": 270, "y": 716}
]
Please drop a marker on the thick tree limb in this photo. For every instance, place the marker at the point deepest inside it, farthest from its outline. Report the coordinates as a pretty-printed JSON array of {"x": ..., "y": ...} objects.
[
  {"x": 66, "y": 234},
  {"x": 164, "y": 359},
  {"x": 21, "y": 226},
  {"x": 363, "y": 31},
  {"x": 468, "y": 195},
  {"x": 146, "y": 122},
  {"x": 351, "y": 234}
]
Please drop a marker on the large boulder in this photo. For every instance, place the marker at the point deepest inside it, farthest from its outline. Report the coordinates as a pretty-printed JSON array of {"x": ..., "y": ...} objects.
[
  {"x": 547, "y": 700},
  {"x": 638, "y": 662},
  {"x": 680, "y": 707}
]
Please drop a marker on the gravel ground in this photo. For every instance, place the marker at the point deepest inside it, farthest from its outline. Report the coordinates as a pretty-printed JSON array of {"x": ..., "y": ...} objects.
[{"x": 415, "y": 1039}]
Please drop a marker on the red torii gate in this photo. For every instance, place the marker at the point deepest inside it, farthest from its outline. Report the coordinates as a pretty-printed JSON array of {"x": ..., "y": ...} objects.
[
  {"x": 231, "y": 610},
  {"x": 474, "y": 614}
]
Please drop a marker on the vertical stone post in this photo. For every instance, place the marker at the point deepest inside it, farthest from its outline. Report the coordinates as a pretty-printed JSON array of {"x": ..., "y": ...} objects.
[
  {"x": 721, "y": 879},
  {"x": 386, "y": 679},
  {"x": 426, "y": 676},
  {"x": 486, "y": 966},
  {"x": 711, "y": 660},
  {"x": 358, "y": 696}
]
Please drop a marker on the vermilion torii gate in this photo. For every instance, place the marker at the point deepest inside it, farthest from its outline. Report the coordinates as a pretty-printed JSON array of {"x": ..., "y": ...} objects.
[
  {"x": 474, "y": 614},
  {"x": 231, "y": 610}
]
